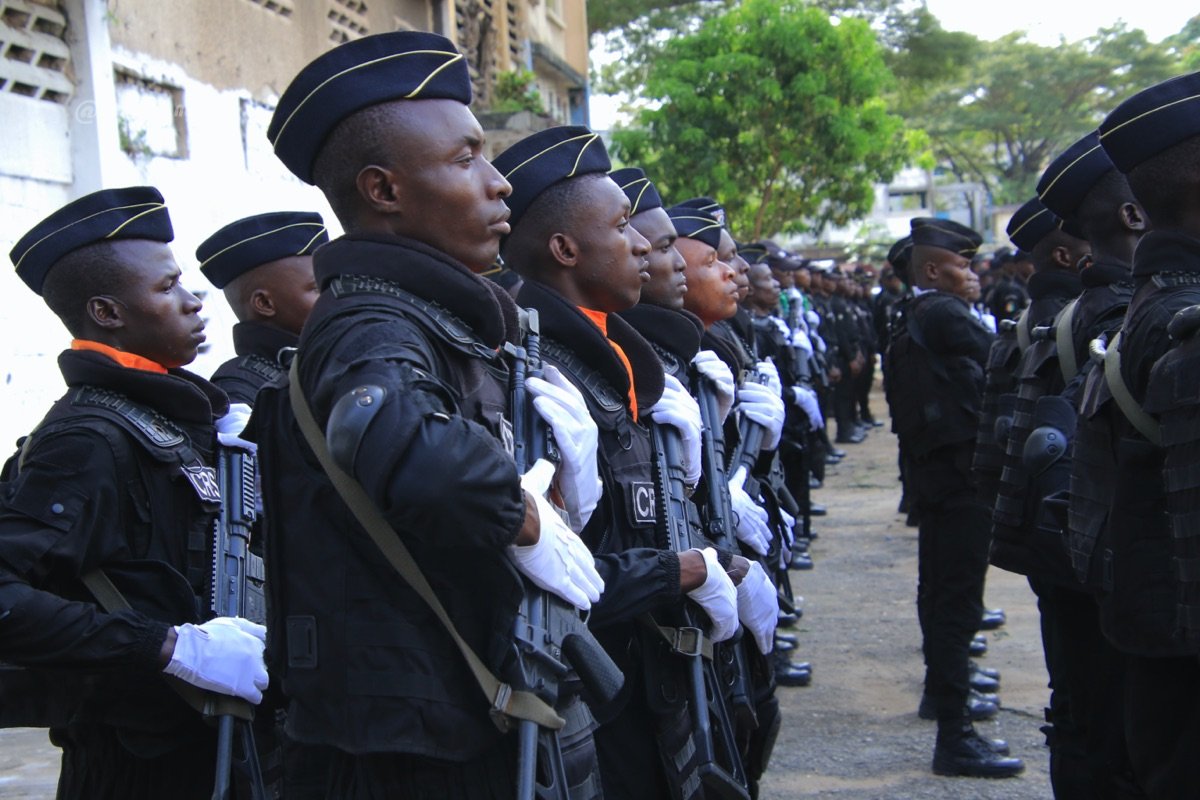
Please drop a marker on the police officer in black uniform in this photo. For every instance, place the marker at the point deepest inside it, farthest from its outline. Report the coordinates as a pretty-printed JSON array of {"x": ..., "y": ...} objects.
[
  {"x": 115, "y": 490},
  {"x": 1089, "y": 757},
  {"x": 1152, "y": 138},
  {"x": 582, "y": 262},
  {"x": 399, "y": 366},
  {"x": 935, "y": 367},
  {"x": 264, "y": 265}
]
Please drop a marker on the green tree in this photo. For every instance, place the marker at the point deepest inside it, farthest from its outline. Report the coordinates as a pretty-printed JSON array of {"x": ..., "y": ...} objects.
[
  {"x": 775, "y": 110},
  {"x": 1016, "y": 105}
]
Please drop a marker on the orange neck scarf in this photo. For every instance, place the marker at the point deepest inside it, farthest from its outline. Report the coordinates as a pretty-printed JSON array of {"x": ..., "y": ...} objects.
[
  {"x": 128, "y": 360},
  {"x": 600, "y": 320}
]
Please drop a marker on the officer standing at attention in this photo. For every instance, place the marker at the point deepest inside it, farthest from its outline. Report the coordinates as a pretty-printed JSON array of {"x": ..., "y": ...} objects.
[
  {"x": 935, "y": 371},
  {"x": 1154, "y": 139},
  {"x": 115, "y": 488},
  {"x": 582, "y": 262},
  {"x": 264, "y": 265},
  {"x": 399, "y": 387}
]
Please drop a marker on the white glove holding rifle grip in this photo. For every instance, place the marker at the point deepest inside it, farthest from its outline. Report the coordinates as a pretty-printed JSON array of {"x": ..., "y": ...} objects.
[
  {"x": 807, "y": 400},
  {"x": 768, "y": 369},
  {"x": 752, "y": 528},
  {"x": 562, "y": 406},
  {"x": 230, "y": 427},
  {"x": 224, "y": 655},
  {"x": 764, "y": 405},
  {"x": 710, "y": 365},
  {"x": 758, "y": 607},
  {"x": 718, "y": 597},
  {"x": 678, "y": 408},
  {"x": 559, "y": 561}
]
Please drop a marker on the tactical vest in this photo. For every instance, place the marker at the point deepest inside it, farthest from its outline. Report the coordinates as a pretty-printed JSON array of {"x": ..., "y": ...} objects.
[
  {"x": 999, "y": 382},
  {"x": 243, "y": 376},
  {"x": 935, "y": 398},
  {"x": 1134, "y": 547},
  {"x": 1021, "y": 543},
  {"x": 341, "y": 676},
  {"x": 171, "y": 491},
  {"x": 626, "y": 459}
]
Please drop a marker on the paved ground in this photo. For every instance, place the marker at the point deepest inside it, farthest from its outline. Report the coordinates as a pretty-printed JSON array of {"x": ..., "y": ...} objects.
[{"x": 854, "y": 734}]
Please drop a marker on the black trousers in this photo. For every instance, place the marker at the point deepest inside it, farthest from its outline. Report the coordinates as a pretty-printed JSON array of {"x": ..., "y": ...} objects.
[
  {"x": 1088, "y": 757},
  {"x": 400, "y": 776},
  {"x": 952, "y": 558},
  {"x": 862, "y": 393},
  {"x": 1162, "y": 725},
  {"x": 96, "y": 766},
  {"x": 843, "y": 402}
]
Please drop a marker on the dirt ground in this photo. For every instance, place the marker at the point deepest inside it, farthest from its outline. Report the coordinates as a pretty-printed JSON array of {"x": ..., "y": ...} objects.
[{"x": 854, "y": 734}]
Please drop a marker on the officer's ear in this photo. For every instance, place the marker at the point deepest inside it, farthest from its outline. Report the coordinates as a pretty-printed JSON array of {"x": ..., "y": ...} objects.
[
  {"x": 380, "y": 189},
  {"x": 106, "y": 312},
  {"x": 564, "y": 249},
  {"x": 1063, "y": 257},
  {"x": 262, "y": 304},
  {"x": 1133, "y": 217},
  {"x": 931, "y": 272}
]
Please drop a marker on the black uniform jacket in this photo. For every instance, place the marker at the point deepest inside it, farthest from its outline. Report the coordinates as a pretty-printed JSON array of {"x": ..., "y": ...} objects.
[
  {"x": 257, "y": 362},
  {"x": 92, "y": 494},
  {"x": 1139, "y": 613},
  {"x": 366, "y": 665}
]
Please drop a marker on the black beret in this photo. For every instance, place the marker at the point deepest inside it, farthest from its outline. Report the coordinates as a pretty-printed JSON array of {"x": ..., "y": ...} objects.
[
  {"x": 709, "y": 205},
  {"x": 1031, "y": 223},
  {"x": 946, "y": 234},
  {"x": 692, "y": 223},
  {"x": 753, "y": 252},
  {"x": 404, "y": 65},
  {"x": 537, "y": 162},
  {"x": 900, "y": 253},
  {"x": 253, "y": 241},
  {"x": 1073, "y": 174},
  {"x": 638, "y": 188},
  {"x": 137, "y": 212},
  {"x": 1151, "y": 121}
]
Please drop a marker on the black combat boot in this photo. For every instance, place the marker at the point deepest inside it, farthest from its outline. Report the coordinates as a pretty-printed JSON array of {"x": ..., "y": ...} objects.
[{"x": 960, "y": 750}]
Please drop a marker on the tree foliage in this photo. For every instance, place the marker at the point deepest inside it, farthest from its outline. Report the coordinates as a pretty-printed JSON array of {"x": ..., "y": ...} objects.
[
  {"x": 774, "y": 110},
  {"x": 1016, "y": 105}
]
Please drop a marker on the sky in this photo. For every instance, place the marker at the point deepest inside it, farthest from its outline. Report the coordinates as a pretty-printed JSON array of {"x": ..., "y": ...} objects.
[{"x": 1044, "y": 21}]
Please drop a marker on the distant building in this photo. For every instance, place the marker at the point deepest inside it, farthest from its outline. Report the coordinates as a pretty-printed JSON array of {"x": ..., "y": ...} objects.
[{"x": 179, "y": 94}]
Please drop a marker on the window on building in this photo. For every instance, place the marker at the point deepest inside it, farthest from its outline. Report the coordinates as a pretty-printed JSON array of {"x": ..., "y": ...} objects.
[
  {"x": 151, "y": 117},
  {"x": 899, "y": 202},
  {"x": 347, "y": 20}
]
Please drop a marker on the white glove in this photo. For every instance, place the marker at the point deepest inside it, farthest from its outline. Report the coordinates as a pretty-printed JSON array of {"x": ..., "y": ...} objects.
[
  {"x": 988, "y": 321},
  {"x": 789, "y": 525},
  {"x": 677, "y": 407},
  {"x": 559, "y": 561},
  {"x": 758, "y": 607},
  {"x": 718, "y": 597},
  {"x": 752, "y": 529},
  {"x": 801, "y": 342},
  {"x": 768, "y": 368},
  {"x": 820, "y": 343},
  {"x": 765, "y": 407},
  {"x": 564, "y": 409},
  {"x": 814, "y": 319},
  {"x": 782, "y": 326},
  {"x": 710, "y": 365},
  {"x": 807, "y": 400},
  {"x": 223, "y": 655},
  {"x": 230, "y": 427}
]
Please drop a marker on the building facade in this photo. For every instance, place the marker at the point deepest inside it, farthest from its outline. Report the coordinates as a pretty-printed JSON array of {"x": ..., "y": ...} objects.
[{"x": 178, "y": 95}]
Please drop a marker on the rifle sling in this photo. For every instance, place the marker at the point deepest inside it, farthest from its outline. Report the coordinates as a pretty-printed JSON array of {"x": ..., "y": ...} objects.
[
  {"x": 1024, "y": 336},
  {"x": 210, "y": 704},
  {"x": 689, "y": 642},
  {"x": 1146, "y": 425},
  {"x": 1063, "y": 342},
  {"x": 506, "y": 703}
]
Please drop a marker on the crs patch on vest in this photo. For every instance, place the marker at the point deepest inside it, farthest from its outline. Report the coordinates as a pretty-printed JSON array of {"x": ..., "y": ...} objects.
[
  {"x": 204, "y": 481},
  {"x": 642, "y": 504}
]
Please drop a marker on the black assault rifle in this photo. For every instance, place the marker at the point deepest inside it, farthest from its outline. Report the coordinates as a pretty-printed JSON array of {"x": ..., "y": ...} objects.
[
  {"x": 717, "y": 760},
  {"x": 550, "y": 638},
  {"x": 719, "y": 528},
  {"x": 236, "y": 591}
]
